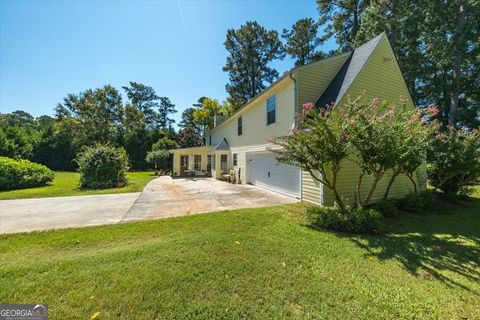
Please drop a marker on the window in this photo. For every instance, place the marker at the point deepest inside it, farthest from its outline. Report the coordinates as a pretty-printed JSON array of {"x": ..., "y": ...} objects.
[
  {"x": 234, "y": 159},
  {"x": 184, "y": 161},
  {"x": 210, "y": 140},
  {"x": 213, "y": 162},
  {"x": 209, "y": 163},
  {"x": 197, "y": 163},
  {"x": 271, "y": 110},
  {"x": 223, "y": 162},
  {"x": 239, "y": 126}
]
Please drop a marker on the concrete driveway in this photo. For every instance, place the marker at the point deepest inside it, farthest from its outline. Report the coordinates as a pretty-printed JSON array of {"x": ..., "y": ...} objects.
[
  {"x": 162, "y": 197},
  {"x": 166, "y": 197},
  {"x": 63, "y": 212}
]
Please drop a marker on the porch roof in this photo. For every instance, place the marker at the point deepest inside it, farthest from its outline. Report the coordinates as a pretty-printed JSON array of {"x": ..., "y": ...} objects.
[{"x": 192, "y": 150}]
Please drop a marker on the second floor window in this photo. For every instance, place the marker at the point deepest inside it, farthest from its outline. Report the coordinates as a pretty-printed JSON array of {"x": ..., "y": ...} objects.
[
  {"x": 235, "y": 159},
  {"x": 240, "y": 126},
  {"x": 271, "y": 110}
]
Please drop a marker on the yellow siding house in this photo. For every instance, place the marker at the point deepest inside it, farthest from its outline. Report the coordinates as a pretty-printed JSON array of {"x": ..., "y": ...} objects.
[{"x": 240, "y": 142}]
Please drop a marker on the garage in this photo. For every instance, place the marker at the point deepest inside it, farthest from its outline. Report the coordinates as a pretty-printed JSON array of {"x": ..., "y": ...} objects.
[{"x": 264, "y": 171}]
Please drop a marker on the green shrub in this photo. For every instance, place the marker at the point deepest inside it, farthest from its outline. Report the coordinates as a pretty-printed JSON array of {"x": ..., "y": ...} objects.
[
  {"x": 102, "y": 166},
  {"x": 388, "y": 208},
  {"x": 354, "y": 221},
  {"x": 415, "y": 202},
  {"x": 454, "y": 164},
  {"x": 20, "y": 174}
]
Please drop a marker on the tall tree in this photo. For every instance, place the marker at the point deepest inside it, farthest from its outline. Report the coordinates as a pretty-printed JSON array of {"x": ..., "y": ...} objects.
[
  {"x": 165, "y": 109},
  {"x": 437, "y": 45},
  {"x": 190, "y": 132},
  {"x": 341, "y": 19},
  {"x": 99, "y": 111},
  {"x": 251, "y": 48},
  {"x": 145, "y": 99},
  {"x": 302, "y": 41}
]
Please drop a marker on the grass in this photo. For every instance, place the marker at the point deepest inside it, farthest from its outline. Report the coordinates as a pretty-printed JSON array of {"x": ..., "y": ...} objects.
[
  {"x": 251, "y": 263},
  {"x": 66, "y": 184}
]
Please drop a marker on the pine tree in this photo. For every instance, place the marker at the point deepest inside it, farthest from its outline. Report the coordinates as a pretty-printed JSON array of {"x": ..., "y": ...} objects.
[
  {"x": 251, "y": 48},
  {"x": 302, "y": 41}
]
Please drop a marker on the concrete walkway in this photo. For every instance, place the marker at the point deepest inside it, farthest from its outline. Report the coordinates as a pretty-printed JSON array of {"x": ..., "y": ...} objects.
[
  {"x": 167, "y": 197},
  {"x": 162, "y": 197},
  {"x": 63, "y": 212}
]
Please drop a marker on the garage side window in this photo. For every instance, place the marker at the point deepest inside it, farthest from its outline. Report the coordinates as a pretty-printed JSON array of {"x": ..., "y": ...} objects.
[
  {"x": 271, "y": 110},
  {"x": 197, "y": 164},
  {"x": 235, "y": 159}
]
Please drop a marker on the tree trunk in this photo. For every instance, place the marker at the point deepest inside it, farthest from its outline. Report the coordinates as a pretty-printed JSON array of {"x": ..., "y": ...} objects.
[
  {"x": 457, "y": 66},
  {"x": 376, "y": 178},
  {"x": 390, "y": 183},
  {"x": 338, "y": 198},
  {"x": 358, "y": 196},
  {"x": 410, "y": 177}
]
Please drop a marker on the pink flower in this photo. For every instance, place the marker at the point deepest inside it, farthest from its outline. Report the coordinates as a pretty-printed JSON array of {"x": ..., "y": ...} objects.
[
  {"x": 344, "y": 137},
  {"x": 434, "y": 111},
  {"x": 375, "y": 102},
  {"x": 391, "y": 112},
  {"x": 307, "y": 106}
]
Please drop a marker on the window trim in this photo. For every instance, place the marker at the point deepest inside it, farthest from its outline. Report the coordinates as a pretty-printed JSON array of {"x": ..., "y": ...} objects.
[
  {"x": 274, "y": 97},
  {"x": 235, "y": 159},
  {"x": 239, "y": 126}
]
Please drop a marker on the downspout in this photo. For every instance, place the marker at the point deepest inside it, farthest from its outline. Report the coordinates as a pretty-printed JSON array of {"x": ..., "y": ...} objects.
[{"x": 295, "y": 108}]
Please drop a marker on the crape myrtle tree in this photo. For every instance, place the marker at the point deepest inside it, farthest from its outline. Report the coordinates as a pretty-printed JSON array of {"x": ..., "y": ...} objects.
[{"x": 379, "y": 137}]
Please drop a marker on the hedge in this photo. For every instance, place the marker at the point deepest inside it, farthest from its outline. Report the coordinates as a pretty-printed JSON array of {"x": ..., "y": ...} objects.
[{"x": 21, "y": 174}]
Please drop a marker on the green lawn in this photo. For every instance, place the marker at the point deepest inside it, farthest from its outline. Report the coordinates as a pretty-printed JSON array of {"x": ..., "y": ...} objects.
[
  {"x": 66, "y": 184},
  {"x": 251, "y": 263}
]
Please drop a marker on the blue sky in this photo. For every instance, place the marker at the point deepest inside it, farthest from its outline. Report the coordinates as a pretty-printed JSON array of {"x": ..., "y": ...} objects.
[{"x": 50, "y": 49}]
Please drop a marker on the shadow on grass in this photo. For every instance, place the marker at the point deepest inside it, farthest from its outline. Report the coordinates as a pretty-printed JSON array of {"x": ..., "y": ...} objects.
[{"x": 443, "y": 244}]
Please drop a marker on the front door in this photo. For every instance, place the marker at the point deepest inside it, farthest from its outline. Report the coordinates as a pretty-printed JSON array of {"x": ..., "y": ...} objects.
[{"x": 183, "y": 165}]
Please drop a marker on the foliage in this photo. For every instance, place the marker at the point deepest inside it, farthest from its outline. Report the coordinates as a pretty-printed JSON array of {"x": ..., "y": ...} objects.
[
  {"x": 102, "y": 166},
  {"x": 379, "y": 136},
  {"x": 302, "y": 41},
  {"x": 158, "y": 157},
  {"x": 318, "y": 145},
  {"x": 341, "y": 19},
  {"x": 353, "y": 221},
  {"x": 455, "y": 161},
  {"x": 20, "y": 174},
  {"x": 190, "y": 134},
  {"x": 251, "y": 48},
  {"x": 145, "y": 100},
  {"x": 388, "y": 208},
  {"x": 206, "y": 110},
  {"x": 417, "y": 202},
  {"x": 99, "y": 111}
]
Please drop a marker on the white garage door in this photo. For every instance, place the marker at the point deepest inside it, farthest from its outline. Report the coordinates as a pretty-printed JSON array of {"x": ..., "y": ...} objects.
[{"x": 264, "y": 171}]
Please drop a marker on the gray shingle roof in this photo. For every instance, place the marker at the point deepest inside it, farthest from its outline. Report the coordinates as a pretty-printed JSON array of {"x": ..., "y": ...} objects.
[
  {"x": 222, "y": 145},
  {"x": 347, "y": 73}
]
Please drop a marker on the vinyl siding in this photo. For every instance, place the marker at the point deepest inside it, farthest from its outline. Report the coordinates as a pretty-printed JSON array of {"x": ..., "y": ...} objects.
[
  {"x": 254, "y": 121},
  {"x": 311, "y": 189},
  {"x": 347, "y": 181},
  {"x": 380, "y": 77},
  {"x": 312, "y": 80}
]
